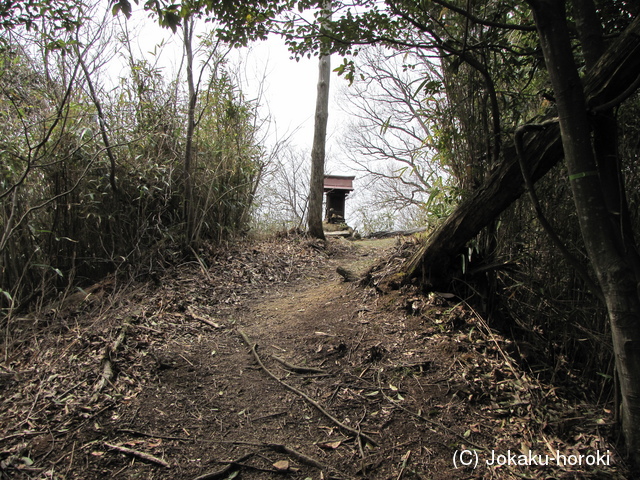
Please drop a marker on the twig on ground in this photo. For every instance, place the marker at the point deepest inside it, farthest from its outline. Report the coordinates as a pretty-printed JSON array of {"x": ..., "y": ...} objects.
[
  {"x": 203, "y": 267},
  {"x": 363, "y": 463},
  {"x": 486, "y": 330},
  {"x": 363, "y": 456},
  {"x": 428, "y": 420},
  {"x": 202, "y": 319},
  {"x": 405, "y": 461},
  {"x": 27, "y": 433},
  {"x": 269, "y": 415},
  {"x": 141, "y": 455},
  {"x": 356, "y": 346},
  {"x": 276, "y": 447},
  {"x": 70, "y": 465},
  {"x": 319, "y": 407},
  {"x": 301, "y": 457}
]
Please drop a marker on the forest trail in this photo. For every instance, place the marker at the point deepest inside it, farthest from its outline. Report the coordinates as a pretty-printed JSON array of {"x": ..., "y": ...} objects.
[{"x": 368, "y": 385}]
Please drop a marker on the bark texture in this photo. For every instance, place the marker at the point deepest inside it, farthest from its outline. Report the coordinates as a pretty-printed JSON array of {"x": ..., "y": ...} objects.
[
  {"x": 603, "y": 244},
  {"x": 316, "y": 184},
  {"x": 191, "y": 123}
]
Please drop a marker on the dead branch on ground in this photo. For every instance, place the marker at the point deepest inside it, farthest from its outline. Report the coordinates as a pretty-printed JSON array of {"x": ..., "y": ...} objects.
[
  {"x": 107, "y": 366},
  {"x": 152, "y": 435},
  {"x": 419, "y": 416},
  {"x": 202, "y": 318},
  {"x": 136, "y": 453}
]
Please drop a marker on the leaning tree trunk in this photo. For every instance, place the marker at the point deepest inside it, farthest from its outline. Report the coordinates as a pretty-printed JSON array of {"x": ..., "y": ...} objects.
[
  {"x": 316, "y": 183},
  {"x": 433, "y": 263}
]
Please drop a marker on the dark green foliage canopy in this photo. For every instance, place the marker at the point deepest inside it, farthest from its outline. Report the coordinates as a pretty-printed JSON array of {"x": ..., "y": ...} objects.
[{"x": 31, "y": 13}]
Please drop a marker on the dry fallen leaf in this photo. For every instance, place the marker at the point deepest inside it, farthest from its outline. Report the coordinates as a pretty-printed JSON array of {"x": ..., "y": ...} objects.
[
  {"x": 282, "y": 465},
  {"x": 330, "y": 445},
  {"x": 325, "y": 334}
]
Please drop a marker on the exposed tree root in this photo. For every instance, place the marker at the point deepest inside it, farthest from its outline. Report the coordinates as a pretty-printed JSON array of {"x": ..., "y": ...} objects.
[
  {"x": 298, "y": 368},
  {"x": 319, "y": 407}
]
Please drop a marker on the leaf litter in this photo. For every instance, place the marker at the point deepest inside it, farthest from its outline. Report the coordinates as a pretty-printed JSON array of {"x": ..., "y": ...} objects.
[{"x": 153, "y": 380}]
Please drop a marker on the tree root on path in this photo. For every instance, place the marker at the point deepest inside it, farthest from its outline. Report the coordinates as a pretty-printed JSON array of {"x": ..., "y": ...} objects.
[
  {"x": 293, "y": 389},
  {"x": 298, "y": 368}
]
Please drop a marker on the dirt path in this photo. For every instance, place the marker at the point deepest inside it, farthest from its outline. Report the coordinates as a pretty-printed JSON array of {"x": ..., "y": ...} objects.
[
  {"x": 320, "y": 322},
  {"x": 420, "y": 377}
]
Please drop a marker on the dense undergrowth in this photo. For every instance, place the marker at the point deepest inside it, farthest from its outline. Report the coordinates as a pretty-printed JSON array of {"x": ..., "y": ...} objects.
[{"x": 93, "y": 177}]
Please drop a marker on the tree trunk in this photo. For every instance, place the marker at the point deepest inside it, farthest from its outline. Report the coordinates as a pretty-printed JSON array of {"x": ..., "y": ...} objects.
[
  {"x": 316, "y": 183},
  {"x": 191, "y": 124},
  {"x": 433, "y": 263},
  {"x": 605, "y": 135},
  {"x": 616, "y": 277}
]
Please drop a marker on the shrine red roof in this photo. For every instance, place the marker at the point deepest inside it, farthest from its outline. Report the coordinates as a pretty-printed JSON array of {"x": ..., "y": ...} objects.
[{"x": 338, "y": 182}]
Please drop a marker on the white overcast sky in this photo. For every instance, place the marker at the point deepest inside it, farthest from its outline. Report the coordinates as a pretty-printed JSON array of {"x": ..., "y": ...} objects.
[
  {"x": 290, "y": 86},
  {"x": 290, "y": 91}
]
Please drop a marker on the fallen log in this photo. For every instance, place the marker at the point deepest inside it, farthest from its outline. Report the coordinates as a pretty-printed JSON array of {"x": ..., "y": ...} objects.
[
  {"x": 396, "y": 233},
  {"x": 611, "y": 81}
]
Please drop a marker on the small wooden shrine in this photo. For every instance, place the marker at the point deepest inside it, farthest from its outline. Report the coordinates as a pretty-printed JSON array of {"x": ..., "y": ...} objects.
[{"x": 336, "y": 189}]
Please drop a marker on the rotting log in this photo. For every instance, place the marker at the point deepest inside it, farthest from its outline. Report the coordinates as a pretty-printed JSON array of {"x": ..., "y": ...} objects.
[{"x": 612, "y": 80}]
